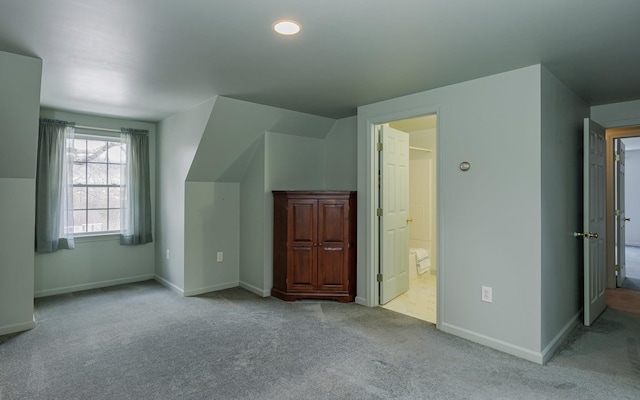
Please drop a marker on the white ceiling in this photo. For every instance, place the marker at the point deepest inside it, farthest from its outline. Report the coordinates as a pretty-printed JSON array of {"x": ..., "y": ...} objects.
[{"x": 146, "y": 59}]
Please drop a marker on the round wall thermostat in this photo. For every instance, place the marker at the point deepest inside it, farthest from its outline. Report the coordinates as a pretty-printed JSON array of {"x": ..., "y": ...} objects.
[{"x": 465, "y": 166}]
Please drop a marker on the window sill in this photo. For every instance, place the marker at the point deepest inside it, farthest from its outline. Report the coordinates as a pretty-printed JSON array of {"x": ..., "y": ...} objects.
[{"x": 98, "y": 237}]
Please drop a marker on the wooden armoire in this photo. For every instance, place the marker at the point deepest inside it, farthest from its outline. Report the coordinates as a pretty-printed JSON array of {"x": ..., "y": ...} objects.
[{"x": 314, "y": 245}]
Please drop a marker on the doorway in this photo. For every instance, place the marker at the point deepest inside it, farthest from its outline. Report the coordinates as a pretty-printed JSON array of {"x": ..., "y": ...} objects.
[
  {"x": 623, "y": 222},
  {"x": 407, "y": 216}
]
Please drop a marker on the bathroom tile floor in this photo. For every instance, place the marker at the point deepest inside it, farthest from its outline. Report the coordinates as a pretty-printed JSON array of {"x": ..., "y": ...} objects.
[{"x": 419, "y": 301}]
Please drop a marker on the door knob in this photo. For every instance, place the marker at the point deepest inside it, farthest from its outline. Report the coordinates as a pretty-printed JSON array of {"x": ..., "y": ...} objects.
[
  {"x": 409, "y": 219},
  {"x": 587, "y": 235},
  {"x": 627, "y": 219}
]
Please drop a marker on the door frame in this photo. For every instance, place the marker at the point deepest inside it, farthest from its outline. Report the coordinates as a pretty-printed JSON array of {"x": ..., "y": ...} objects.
[
  {"x": 610, "y": 135},
  {"x": 368, "y": 241}
]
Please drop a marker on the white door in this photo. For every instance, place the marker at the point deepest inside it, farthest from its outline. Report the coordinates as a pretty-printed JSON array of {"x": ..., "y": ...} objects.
[
  {"x": 394, "y": 203},
  {"x": 595, "y": 271},
  {"x": 620, "y": 214}
]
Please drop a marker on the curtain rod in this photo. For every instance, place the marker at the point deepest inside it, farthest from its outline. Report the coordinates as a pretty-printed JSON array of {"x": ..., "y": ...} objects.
[{"x": 95, "y": 128}]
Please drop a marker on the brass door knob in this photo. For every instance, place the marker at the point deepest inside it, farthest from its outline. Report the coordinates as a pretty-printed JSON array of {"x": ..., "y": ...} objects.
[{"x": 409, "y": 219}]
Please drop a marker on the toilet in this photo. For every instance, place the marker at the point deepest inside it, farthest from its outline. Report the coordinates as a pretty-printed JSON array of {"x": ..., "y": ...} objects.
[{"x": 419, "y": 262}]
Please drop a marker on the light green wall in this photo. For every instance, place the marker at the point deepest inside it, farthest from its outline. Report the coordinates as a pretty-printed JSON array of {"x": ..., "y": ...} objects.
[
  {"x": 253, "y": 222},
  {"x": 97, "y": 261},
  {"x": 489, "y": 226},
  {"x": 617, "y": 115},
  {"x": 212, "y": 225},
  {"x": 178, "y": 139},
  {"x": 561, "y": 162},
  {"x": 19, "y": 109},
  {"x": 341, "y": 149}
]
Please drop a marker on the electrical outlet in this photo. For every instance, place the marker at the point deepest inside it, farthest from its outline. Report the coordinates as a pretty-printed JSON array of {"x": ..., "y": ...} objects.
[
  {"x": 167, "y": 254},
  {"x": 220, "y": 256},
  {"x": 487, "y": 294}
]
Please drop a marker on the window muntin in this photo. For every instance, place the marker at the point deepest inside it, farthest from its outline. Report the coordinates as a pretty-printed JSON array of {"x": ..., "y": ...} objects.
[{"x": 97, "y": 165}]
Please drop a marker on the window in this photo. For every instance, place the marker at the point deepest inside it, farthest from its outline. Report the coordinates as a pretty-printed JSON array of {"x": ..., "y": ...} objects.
[{"x": 97, "y": 165}]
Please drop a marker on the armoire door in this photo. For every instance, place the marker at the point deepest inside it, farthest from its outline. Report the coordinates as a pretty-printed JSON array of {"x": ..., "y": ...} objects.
[
  {"x": 302, "y": 244},
  {"x": 333, "y": 233}
]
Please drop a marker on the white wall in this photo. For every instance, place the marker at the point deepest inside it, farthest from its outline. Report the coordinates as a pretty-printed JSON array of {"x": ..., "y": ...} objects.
[
  {"x": 341, "y": 149},
  {"x": 490, "y": 226},
  {"x": 19, "y": 109},
  {"x": 422, "y": 193},
  {"x": 97, "y": 261},
  {"x": 212, "y": 225},
  {"x": 178, "y": 139},
  {"x": 632, "y": 197},
  {"x": 562, "y": 124}
]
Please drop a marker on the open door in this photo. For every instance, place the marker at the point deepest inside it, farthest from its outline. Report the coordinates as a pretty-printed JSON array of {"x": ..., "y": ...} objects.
[
  {"x": 621, "y": 219},
  {"x": 595, "y": 272},
  {"x": 394, "y": 208}
]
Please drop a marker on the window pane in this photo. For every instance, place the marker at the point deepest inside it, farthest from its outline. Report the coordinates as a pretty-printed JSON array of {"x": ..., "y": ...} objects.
[
  {"x": 96, "y": 151},
  {"x": 96, "y": 174},
  {"x": 97, "y": 220},
  {"x": 114, "y": 220},
  {"x": 97, "y": 197},
  {"x": 115, "y": 153},
  {"x": 114, "y": 174},
  {"x": 79, "y": 198},
  {"x": 80, "y": 221},
  {"x": 79, "y": 150},
  {"x": 114, "y": 197},
  {"x": 79, "y": 174}
]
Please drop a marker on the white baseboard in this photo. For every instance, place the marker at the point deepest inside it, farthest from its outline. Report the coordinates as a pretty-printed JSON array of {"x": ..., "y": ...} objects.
[
  {"x": 256, "y": 290},
  {"x": 24, "y": 326},
  {"x": 560, "y": 338},
  {"x": 92, "y": 285},
  {"x": 500, "y": 345},
  {"x": 169, "y": 285},
  {"x": 214, "y": 288},
  {"x": 362, "y": 301}
]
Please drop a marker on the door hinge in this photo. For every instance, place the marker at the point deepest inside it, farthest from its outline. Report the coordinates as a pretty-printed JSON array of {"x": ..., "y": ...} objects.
[
  {"x": 379, "y": 212},
  {"x": 618, "y": 268},
  {"x": 618, "y": 157},
  {"x": 379, "y": 278},
  {"x": 379, "y": 146}
]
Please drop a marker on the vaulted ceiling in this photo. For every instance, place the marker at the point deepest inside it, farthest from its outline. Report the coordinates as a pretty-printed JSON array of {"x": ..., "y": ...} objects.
[{"x": 147, "y": 59}]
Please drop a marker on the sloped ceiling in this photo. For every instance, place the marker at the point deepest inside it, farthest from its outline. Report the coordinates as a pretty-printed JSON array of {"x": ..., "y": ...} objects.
[
  {"x": 147, "y": 59},
  {"x": 234, "y": 126}
]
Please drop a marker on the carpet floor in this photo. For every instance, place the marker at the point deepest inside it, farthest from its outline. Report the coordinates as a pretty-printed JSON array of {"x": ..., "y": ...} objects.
[{"x": 141, "y": 341}]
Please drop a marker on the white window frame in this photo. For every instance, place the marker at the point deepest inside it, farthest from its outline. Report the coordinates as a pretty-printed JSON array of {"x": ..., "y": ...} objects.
[{"x": 85, "y": 135}]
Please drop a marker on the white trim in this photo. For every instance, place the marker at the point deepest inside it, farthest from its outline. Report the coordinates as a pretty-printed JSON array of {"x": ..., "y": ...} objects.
[
  {"x": 254, "y": 289},
  {"x": 551, "y": 348},
  {"x": 14, "y": 328},
  {"x": 367, "y": 137},
  {"x": 169, "y": 285},
  {"x": 214, "y": 288},
  {"x": 361, "y": 300},
  {"x": 500, "y": 345},
  {"x": 92, "y": 285}
]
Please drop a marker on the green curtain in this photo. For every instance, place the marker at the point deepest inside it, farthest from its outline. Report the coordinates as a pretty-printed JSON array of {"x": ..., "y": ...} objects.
[
  {"x": 135, "y": 212},
  {"x": 54, "y": 187}
]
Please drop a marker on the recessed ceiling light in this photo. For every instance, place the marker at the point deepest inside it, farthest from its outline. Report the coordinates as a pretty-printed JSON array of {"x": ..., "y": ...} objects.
[{"x": 286, "y": 27}]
